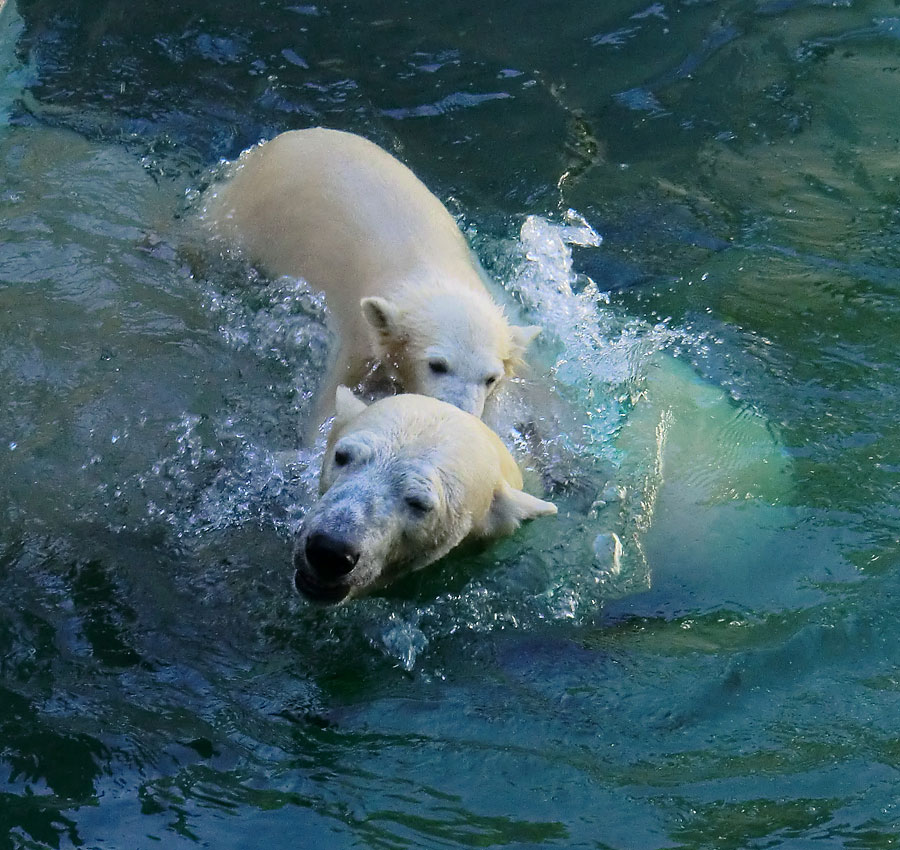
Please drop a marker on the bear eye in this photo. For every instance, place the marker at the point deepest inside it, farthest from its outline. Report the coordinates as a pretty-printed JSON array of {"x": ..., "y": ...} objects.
[
  {"x": 490, "y": 380},
  {"x": 341, "y": 457},
  {"x": 439, "y": 367},
  {"x": 419, "y": 504}
]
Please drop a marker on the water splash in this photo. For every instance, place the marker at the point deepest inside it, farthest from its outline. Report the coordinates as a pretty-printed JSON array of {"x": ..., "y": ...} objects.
[
  {"x": 229, "y": 469},
  {"x": 403, "y": 639},
  {"x": 602, "y": 355},
  {"x": 280, "y": 320}
]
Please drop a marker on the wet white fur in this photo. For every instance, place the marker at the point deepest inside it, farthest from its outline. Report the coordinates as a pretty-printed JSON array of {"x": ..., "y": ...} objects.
[
  {"x": 400, "y": 281},
  {"x": 399, "y": 455}
]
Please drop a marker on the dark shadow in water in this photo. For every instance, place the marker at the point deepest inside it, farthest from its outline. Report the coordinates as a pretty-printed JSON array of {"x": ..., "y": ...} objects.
[{"x": 37, "y": 756}]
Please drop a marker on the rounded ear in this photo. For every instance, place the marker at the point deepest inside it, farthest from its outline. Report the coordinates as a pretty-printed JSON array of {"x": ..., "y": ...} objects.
[
  {"x": 382, "y": 316},
  {"x": 346, "y": 406},
  {"x": 512, "y": 507},
  {"x": 522, "y": 337}
]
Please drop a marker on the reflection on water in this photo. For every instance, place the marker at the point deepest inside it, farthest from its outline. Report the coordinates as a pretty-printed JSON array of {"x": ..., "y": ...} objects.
[{"x": 716, "y": 386}]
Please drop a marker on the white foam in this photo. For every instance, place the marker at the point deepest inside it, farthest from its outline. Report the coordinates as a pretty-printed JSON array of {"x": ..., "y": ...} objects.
[{"x": 602, "y": 354}]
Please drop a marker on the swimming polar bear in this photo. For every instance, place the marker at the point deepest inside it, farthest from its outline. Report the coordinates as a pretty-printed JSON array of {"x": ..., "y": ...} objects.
[
  {"x": 400, "y": 281},
  {"x": 404, "y": 481}
]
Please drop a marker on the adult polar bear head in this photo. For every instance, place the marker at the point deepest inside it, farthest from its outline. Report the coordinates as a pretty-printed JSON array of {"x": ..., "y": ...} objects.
[
  {"x": 403, "y": 482},
  {"x": 453, "y": 345}
]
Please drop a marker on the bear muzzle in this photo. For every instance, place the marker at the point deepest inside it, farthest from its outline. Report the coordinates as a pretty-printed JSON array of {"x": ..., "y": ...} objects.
[
  {"x": 330, "y": 557},
  {"x": 325, "y": 594},
  {"x": 322, "y": 563},
  {"x": 467, "y": 397}
]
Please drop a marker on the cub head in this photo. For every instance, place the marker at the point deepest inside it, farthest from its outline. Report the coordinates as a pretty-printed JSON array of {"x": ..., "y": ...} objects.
[
  {"x": 453, "y": 346},
  {"x": 403, "y": 482}
]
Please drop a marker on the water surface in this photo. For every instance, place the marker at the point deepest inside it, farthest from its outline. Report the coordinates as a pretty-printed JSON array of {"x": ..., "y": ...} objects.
[{"x": 723, "y": 362}]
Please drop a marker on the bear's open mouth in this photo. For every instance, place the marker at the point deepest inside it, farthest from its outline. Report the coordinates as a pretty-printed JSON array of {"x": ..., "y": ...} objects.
[{"x": 327, "y": 594}]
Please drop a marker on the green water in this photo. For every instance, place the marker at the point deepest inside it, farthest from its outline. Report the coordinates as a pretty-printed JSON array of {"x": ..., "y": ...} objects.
[{"x": 728, "y": 365}]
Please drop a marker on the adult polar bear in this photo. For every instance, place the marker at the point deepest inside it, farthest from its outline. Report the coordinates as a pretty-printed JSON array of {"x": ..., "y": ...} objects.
[
  {"x": 403, "y": 482},
  {"x": 398, "y": 277}
]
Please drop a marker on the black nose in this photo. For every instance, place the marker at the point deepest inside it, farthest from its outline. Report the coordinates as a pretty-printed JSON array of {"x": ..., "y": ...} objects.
[{"x": 330, "y": 557}]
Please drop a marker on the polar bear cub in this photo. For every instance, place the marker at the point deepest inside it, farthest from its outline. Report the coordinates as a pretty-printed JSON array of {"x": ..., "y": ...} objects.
[
  {"x": 403, "y": 482},
  {"x": 400, "y": 281}
]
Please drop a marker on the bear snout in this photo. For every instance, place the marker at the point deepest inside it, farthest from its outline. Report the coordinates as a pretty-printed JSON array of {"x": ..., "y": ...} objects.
[
  {"x": 323, "y": 578},
  {"x": 468, "y": 398},
  {"x": 330, "y": 557}
]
